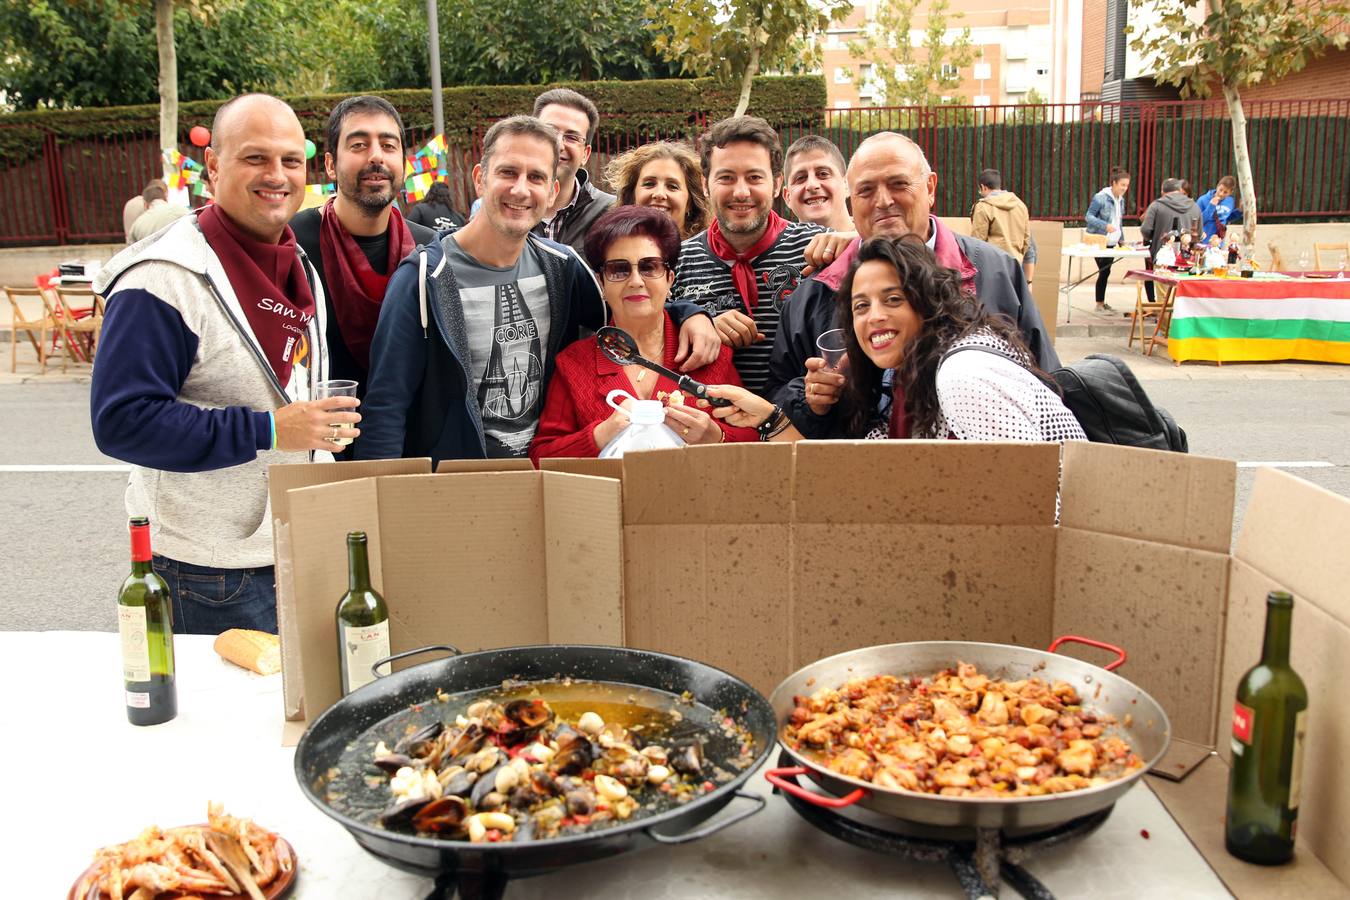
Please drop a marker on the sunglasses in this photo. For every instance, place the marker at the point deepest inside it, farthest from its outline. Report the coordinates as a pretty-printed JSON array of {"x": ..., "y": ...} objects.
[{"x": 622, "y": 269}]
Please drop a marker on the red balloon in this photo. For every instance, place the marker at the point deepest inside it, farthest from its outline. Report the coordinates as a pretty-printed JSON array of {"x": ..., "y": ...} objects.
[{"x": 199, "y": 135}]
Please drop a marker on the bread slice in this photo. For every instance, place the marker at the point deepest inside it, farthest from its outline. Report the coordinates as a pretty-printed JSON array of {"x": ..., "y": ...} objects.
[{"x": 257, "y": 651}]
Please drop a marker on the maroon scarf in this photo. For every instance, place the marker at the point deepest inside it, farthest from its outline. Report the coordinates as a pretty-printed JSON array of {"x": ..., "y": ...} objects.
[
  {"x": 742, "y": 273},
  {"x": 270, "y": 282},
  {"x": 899, "y": 426},
  {"x": 355, "y": 289}
]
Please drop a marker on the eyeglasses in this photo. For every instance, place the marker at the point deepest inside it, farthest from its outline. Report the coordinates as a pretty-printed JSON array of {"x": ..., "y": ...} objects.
[
  {"x": 622, "y": 269},
  {"x": 573, "y": 137}
]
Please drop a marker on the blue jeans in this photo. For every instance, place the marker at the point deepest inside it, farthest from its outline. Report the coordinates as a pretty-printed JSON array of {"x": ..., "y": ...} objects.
[{"x": 207, "y": 600}]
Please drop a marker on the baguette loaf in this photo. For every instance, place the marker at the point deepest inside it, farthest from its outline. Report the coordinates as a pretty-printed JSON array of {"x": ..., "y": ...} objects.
[{"x": 257, "y": 651}]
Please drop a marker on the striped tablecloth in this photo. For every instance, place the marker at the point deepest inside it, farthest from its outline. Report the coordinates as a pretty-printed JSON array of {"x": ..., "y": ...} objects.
[{"x": 1243, "y": 319}]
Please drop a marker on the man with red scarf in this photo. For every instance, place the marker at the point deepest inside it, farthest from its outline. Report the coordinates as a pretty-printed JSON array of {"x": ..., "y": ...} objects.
[
  {"x": 357, "y": 239},
  {"x": 212, "y": 347},
  {"x": 749, "y": 260}
]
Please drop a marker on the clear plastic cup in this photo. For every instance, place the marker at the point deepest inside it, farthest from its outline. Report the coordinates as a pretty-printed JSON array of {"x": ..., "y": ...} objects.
[
  {"x": 337, "y": 387},
  {"x": 833, "y": 348}
]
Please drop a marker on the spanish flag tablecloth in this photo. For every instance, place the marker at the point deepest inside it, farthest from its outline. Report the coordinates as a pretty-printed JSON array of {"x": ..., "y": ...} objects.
[{"x": 1254, "y": 319}]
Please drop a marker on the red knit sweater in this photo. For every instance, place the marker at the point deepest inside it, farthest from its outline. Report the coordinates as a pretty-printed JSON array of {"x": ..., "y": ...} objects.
[{"x": 583, "y": 376}]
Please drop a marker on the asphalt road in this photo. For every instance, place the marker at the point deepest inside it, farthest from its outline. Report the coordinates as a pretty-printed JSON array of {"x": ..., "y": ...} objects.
[{"x": 64, "y": 532}]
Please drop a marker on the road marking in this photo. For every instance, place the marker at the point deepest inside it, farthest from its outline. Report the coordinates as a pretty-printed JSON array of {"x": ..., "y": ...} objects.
[
  {"x": 103, "y": 468},
  {"x": 1277, "y": 464}
]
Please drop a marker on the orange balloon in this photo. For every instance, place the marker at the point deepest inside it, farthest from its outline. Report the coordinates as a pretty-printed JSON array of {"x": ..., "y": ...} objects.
[{"x": 199, "y": 135}]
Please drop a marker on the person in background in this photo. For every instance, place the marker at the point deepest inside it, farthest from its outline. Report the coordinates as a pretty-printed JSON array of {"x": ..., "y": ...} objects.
[
  {"x": 358, "y": 237},
  {"x": 1106, "y": 215},
  {"x": 1216, "y": 208},
  {"x": 579, "y": 201},
  {"x": 904, "y": 314},
  {"x": 212, "y": 347},
  {"x": 1001, "y": 218},
  {"x": 813, "y": 183},
  {"x": 434, "y": 210},
  {"x": 664, "y": 175},
  {"x": 133, "y": 208},
  {"x": 634, "y": 249},
  {"x": 1172, "y": 211},
  {"x": 159, "y": 212}
]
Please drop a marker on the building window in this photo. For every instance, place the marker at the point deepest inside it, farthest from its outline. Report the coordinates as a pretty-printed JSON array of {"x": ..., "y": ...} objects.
[
  {"x": 1042, "y": 70},
  {"x": 842, "y": 104},
  {"x": 842, "y": 75},
  {"x": 949, "y": 70},
  {"x": 983, "y": 71},
  {"x": 981, "y": 100}
]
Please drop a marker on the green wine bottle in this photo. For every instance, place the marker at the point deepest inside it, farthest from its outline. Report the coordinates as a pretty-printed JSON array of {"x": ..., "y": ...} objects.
[
  {"x": 362, "y": 619},
  {"x": 145, "y": 621},
  {"x": 1269, "y": 724}
]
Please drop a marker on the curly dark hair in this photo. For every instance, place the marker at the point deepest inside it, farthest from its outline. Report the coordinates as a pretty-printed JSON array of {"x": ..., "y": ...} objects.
[{"x": 948, "y": 314}]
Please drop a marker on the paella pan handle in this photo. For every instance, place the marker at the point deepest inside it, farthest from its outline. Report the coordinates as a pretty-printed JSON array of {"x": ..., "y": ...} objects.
[
  {"x": 715, "y": 827},
  {"x": 1112, "y": 666},
  {"x": 778, "y": 778},
  {"x": 389, "y": 660}
]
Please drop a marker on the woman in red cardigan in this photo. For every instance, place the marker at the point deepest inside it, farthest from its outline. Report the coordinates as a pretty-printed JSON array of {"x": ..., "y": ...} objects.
[{"x": 634, "y": 248}]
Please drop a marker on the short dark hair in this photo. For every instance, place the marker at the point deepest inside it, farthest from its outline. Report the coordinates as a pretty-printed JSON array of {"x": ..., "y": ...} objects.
[
  {"x": 569, "y": 97},
  {"x": 633, "y": 221},
  {"x": 518, "y": 126},
  {"x": 814, "y": 143},
  {"x": 1229, "y": 182},
  {"x": 1118, "y": 173},
  {"x": 991, "y": 179},
  {"x": 751, "y": 129},
  {"x": 155, "y": 189},
  {"x": 1171, "y": 184},
  {"x": 351, "y": 106}
]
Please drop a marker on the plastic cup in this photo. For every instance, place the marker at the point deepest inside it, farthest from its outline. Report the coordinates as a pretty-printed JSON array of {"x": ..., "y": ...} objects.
[
  {"x": 337, "y": 387},
  {"x": 833, "y": 348}
]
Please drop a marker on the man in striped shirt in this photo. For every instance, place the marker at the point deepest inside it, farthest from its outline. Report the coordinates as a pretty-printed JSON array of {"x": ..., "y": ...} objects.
[{"x": 750, "y": 259}]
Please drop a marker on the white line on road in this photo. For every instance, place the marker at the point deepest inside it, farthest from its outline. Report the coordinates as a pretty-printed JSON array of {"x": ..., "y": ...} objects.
[
  {"x": 1277, "y": 464},
  {"x": 103, "y": 468}
]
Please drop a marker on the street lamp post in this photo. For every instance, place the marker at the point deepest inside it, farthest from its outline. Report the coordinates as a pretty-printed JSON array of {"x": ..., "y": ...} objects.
[{"x": 434, "y": 51}]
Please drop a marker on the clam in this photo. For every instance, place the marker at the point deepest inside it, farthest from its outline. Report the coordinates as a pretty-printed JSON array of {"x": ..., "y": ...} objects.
[{"x": 580, "y": 802}]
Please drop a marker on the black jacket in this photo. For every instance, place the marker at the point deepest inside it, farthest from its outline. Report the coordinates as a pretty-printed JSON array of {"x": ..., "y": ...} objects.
[
  {"x": 590, "y": 204},
  {"x": 1000, "y": 286}
]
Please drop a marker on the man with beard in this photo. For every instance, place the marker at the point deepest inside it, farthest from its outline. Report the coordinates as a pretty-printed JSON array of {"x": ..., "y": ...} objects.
[
  {"x": 472, "y": 323},
  {"x": 749, "y": 260},
  {"x": 359, "y": 236},
  {"x": 892, "y": 189},
  {"x": 210, "y": 352},
  {"x": 579, "y": 202}
]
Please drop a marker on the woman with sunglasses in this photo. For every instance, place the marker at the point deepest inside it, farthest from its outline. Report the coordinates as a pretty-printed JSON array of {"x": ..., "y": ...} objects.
[
  {"x": 905, "y": 317},
  {"x": 634, "y": 250}
]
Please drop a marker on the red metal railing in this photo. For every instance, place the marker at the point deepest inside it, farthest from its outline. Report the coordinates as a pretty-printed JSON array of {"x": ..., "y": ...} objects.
[{"x": 1055, "y": 156}]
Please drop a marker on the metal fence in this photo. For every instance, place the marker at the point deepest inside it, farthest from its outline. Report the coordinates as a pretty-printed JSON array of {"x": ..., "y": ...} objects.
[{"x": 1055, "y": 156}]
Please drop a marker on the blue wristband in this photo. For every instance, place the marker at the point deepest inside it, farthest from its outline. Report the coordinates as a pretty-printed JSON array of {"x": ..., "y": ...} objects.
[{"x": 272, "y": 420}]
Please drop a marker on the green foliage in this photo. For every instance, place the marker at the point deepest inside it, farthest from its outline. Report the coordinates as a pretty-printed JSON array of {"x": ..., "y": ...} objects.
[
  {"x": 920, "y": 79},
  {"x": 1034, "y": 112}
]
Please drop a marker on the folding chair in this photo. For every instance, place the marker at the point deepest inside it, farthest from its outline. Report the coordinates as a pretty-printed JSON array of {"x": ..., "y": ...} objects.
[
  {"x": 37, "y": 328},
  {"x": 1276, "y": 257},
  {"x": 1145, "y": 307},
  {"x": 1165, "y": 293},
  {"x": 79, "y": 324},
  {"x": 1332, "y": 261}
]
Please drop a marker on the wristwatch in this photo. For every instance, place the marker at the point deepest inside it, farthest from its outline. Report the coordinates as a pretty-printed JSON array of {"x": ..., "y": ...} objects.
[{"x": 771, "y": 426}]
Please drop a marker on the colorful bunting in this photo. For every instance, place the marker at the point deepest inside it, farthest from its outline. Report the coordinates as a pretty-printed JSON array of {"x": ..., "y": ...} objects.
[
  {"x": 187, "y": 172},
  {"x": 425, "y": 167}
]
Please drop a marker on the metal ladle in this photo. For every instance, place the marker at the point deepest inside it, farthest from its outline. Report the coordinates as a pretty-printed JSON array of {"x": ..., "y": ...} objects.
[{"x": 620, "y": 347}]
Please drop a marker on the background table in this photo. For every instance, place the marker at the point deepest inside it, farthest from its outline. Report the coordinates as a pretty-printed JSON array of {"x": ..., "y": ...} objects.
[
  {"x": 1266, "y": 318},
  {"x": 1081, "y": 252}
]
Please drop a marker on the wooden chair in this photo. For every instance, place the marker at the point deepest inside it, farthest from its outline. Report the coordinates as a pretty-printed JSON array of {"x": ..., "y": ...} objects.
[
  {"x": 1165, "y": 293},
  {"x": 1145, "y": 307},
  {"x": 1343, "y": 248},
  {"x": 80, "y": 324},
  {"x": 1276, "y": 257},
  {"x": 37, "y": 328}
]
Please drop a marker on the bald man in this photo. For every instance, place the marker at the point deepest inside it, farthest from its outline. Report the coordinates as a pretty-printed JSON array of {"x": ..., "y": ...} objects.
[
  {"x": 892, "y": 188},
  {"x": 212, "y": 348}
]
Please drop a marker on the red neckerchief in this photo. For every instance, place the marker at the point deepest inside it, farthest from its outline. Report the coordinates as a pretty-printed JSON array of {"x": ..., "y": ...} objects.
[
  {"x": 832, "y": 276},
  {"x": 742, "y": 273},
  {"x": 355, "y": 288},
  {"x": 270, "y": 283},
  {"x": 899, "y": 427}
]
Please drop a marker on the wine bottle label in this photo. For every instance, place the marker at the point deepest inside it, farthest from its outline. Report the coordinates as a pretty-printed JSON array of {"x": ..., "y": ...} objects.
[
  {"x": 138, "y": 699},
  {"x": 1296, "y": 769},
  {"x": 1243, "y": 720},
  {"x": 135, "y": 643},
  {"x": 363, "y": 647}
]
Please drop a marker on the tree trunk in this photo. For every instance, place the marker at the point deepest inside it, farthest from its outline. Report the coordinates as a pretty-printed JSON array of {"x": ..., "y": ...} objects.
[
  {"x": 168, "y": 78},
  {"x": 748, "y": 79},
  {"x": 1244, "y": 168}
]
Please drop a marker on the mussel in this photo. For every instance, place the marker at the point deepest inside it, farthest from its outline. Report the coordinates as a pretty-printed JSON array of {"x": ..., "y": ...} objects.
[
  {"x": 419, "y": 742},
  {"x": 402, "y": 813},
  {"x": 574, "y": 753},
  {"x": 461, "y": 783},
  {"x": 486, "y": 784},
  {"x": 529, "y": 713},
  {"x": 392, "y": 762},
  {"x": 466, "y": 741},
  {"x": 687, "y": 758},
  {"x": 441, "y": 815}
]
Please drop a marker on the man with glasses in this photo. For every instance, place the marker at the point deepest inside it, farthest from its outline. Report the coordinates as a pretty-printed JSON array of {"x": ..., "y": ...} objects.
[{"x": 579, "y": 202}]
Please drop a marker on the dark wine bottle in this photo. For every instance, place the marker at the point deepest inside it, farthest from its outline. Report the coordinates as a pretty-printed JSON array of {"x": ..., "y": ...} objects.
[
  {"x": 145, "y": 621},
  {"x": 1269, "y": 724},
  {"x": 362, "y": 619}
]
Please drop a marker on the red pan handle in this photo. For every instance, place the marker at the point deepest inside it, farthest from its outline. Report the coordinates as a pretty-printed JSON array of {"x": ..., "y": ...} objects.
[
  {"x": 1119, "y": 651},
  {"x": 778, "y": 778}
]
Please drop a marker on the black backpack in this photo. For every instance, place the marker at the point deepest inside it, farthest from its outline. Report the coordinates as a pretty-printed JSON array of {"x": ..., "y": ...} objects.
[{"x": 1109, "y": 403}]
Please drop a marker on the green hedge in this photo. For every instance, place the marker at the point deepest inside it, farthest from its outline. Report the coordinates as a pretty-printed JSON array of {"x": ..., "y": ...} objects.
[{"x": 666, "y": 107}]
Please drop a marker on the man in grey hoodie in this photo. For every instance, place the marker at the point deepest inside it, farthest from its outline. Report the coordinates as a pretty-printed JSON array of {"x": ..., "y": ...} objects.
[{"x": 1170, "y": 212}]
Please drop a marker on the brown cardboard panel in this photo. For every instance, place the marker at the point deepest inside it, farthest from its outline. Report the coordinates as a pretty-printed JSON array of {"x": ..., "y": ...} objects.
[
  {"x": 723, "y": 484},
  {"x": 464, "y": 560},
  {"x": 321, "y": 516},
  {"x": 958, "y": 483},
  {"x": 716, "y": 593},
  {"x": 1181, "y": 759},
  {"x": 292, "y": 676},
  {"x": 861, "y": 585},
  {"x": 603, "y": 468},
  {"x": 1197, "y": 803},
  {"x": 1049, "y": 237},
  {"x": 1152, "y": 495},
  {"x": 1163, "y": 604},
  {"x": 281, "y": 479},
  {"x": 1299, "y": 533},
  {"x": 583, "y": 548},
  {"x": 483, "y": 465},
  {"x": 1320, "y": 652}
]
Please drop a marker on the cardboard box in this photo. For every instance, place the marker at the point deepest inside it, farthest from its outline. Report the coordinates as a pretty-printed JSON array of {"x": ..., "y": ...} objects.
[{"x": 763, "y": 558}]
